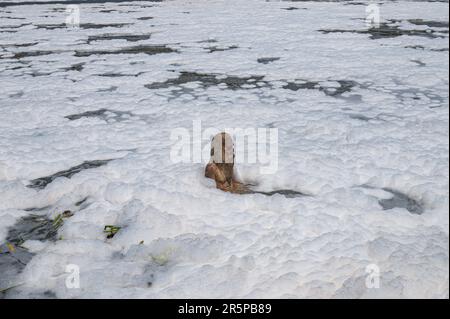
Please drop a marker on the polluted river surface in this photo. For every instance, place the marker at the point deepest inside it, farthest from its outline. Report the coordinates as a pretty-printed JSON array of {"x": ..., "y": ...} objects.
[{"x": 87, "y": 181}]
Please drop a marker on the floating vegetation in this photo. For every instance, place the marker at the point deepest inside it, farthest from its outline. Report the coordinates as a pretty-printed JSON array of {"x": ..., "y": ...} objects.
[
  {"x": 111, "y": 231},
  {"x": 59, "y": 221},
  {"x": 5, "y": 290},
  {"x": 14, "y": 257},
  {"x": 36, "y": 227},
  {"x": 11, "y": 247},
  {"x": 32, "y": 227}
]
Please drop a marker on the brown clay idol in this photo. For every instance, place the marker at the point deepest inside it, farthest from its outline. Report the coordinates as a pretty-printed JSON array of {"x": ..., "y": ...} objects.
[{"x": 221, "y": 165}]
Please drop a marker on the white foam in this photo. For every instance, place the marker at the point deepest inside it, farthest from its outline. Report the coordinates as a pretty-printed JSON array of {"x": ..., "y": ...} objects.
[{"x": 180, "y": 237}]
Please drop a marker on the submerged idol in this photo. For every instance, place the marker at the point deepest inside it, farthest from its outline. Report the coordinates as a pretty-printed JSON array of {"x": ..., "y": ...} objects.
[{"x": 221, "y": 165}]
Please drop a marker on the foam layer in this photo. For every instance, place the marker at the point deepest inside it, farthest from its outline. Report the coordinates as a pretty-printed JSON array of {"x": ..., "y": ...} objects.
[{"x": 363, "y": 130}]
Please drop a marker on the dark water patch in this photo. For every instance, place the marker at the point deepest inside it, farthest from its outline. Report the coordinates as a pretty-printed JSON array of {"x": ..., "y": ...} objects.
[
  {"x": 104, "y": 114},
  {"x": 14, "y": 257},
  {"x": 22, "y": 66},
  {"x": 32, "y": 227},
  {"x": 379, "y": 117},
  {"x": 118, "y": 75},
  {"x": 316, "y": 0},
  {"x": 401, "y": 200},
  {"x": 144, "y": 18},
  {"x": 48, "y": 294},
  {"x": 271, "y": 125},
  {"x": 16, "y": 26},
  {"x": 440, "y": 50},
  {"x": 219, "y": 49},
  {"x": 81, "y": 26},
  {"x": 79, "y": 205},
  {"x": 407, "y": 95},
  {"x": 110, "y": 89},
  {"x": 138, "y": 3},
  {"x": 421, "y": 47},
  {"x": 419, "y": 63},
  {"x": 208, "y": 41},
  {"x": 145, "y": 49},
  {"x": 387, "y": 30},
  {"x": 57, "y": 9},
  {"x": 355, "y": 3},
  {"x": 127, "y": 37},
  {"x": 36, "y": 74},
  {"x": 344, "y": 2},
  {"x": 37, "y": 209},
  {"x": 28, "y": 54},
  {"x": 108, "y": 10},
  {"x": 429, "y": 23},
  {"x": 267, "y": 60},
  {"x": 288, "y": 193},
  {"x": 211, "y": 80},
  {"x": 415, "y": 47},
  {"x": 398, "y": 200},
  {"x": 41, "y": 183},
  {"x": 16, "y": 95},
  {"x": 67, "y": 2},
  {"x": 293, "y": 8},
  {"x": 412, "y": 94},
  {"x": 82, "y": 203},
  {"x": 344, "y": 86},
  {"x": 360, "y": 117},
  {"x": 12, "y": 262},
  {"x": 12, "y": 18},
  {"x": 78, "y": 67},
  {"x": 19, "y": 45}
]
